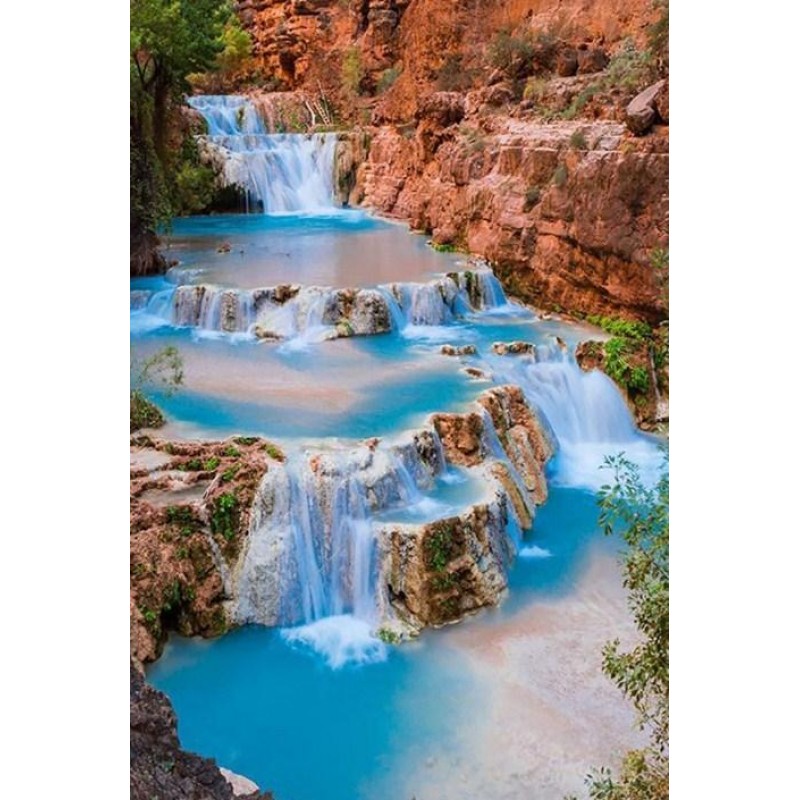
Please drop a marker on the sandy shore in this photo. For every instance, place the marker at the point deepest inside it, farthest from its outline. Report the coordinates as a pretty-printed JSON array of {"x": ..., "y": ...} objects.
[{"x": 545, "y": 714}]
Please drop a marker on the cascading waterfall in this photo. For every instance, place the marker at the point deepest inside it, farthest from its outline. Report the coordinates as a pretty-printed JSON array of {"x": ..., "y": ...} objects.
[
  {"x": 311, "y": 547},
  {"x": 313, "y": 312},
  {"x": 586, "y": 412},
  {"x": 281, "y": 173}
]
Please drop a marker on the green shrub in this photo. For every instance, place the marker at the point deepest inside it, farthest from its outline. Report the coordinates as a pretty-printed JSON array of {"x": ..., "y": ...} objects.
[
  {"x": 532, "y": 197},
  {"x": 352, "y": 71},
  {"x": 225, "y": 515},
  {"x": 144, "y": 413},
  {"x": 511, "y": 54},
  {"x": 578, "y": 140},
  {"x": 560, "y": 175},
  {"x": 211, "y": 464},
  {"x": 387, "y": 79}
]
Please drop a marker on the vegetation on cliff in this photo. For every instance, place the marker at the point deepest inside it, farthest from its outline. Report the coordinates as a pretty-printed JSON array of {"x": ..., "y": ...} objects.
[{"x": 169, "y": 41}]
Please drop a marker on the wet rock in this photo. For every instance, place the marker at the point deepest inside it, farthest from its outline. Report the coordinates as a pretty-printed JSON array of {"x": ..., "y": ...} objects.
[
  {"x": 458, "y": 350},
  {"x": 159, "y": 768},
  {"x": 225, "y": 247},
  {"x": 370, "y": 313},
  {"x": 642, "y": 112},
  {"x": 189, "y": 517},
  {"x": 477, "y": 374},
  {"x": 260, "y": 332},
  {"x": 513, "y": 348}
]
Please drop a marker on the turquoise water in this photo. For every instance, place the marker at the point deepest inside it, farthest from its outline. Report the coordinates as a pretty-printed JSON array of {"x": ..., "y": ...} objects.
[
  {"x": 275, "y": 710},
  {"x": 278, "y": 714}
]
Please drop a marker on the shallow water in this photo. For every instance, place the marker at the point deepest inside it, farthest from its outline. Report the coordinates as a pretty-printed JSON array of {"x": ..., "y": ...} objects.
[
  {"x": 326, "y": 710},
  {"x": 340, "y": 249}
]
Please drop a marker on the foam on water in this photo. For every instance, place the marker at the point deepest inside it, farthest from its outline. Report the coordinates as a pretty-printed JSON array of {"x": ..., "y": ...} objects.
[
  {"x": 340, "y": 640},
  {"x": 534, "y": 551}
]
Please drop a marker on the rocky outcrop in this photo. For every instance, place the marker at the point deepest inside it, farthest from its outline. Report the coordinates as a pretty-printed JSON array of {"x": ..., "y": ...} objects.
[
  {"x": 584, "y": 244},
  {"x": 440, "y": 572},
  {"x": 190, "y": 512},
  {"x": 642, "y": 112},
  {"x": 458, "y": 350},
  {"x": 443, "y": 571},
  {"x": 513, "y": 348},
  {"x": 159, "y": 767}
]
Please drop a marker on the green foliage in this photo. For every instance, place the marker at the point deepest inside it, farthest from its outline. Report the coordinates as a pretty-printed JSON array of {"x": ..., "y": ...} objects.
[
  {"x": 511, "y": 54},
  {"x": 444, "y": 247},
  {"x": 274, "y": 452},
  {"x": 211, "y": 464},
  {"x": 579, "y": 102},
  {"x": 144, "y": 413},
  {"x": 163, "y": 370},
  {"x": 535, "y": 89},
  {"x": 236, "y": 45},
  {"x": 641, "y": 516},
  {"x": 387, "y": 79},
  {"x": 231, "y": 452},
  {"x": 245, "y": 441},
  {"x": 439, "y": 545},
  {"x": 181, "y": 515},
  {"x": 560, "y": 175},
  {"x": 638, "y": 331},
  {"x": 388, "y": 636},
  {"x": 629, "y": 69},
  {"x": 194, "y": 188},
  {"x": 192, "y": 465},
  {"x": 578, "y": 140},
  {"x": 352, "y": 71},
  {"x": 533, "y": 195},
  {"x": 225, "y": 515},
  {"x": 169, "y": 40},
  {"x": 230, "y": 473},
  {"x": 474, "y": 137},
  {"x": 658, "y": 35},
  {"x": 617, "y": 367}
]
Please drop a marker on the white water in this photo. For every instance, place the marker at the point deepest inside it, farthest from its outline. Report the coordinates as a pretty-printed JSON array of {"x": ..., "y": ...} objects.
[
  {"x": 421, "y": 311},
  {"x": 586, "y": 412},
  {"x": 311, "y": 548},
  {"x": 281, "y": 173}
]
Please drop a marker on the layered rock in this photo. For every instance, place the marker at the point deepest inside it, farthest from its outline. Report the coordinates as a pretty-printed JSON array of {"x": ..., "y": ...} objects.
[
  {"x": 564, "y": 228},
  {"x": 160, "y": 768},
  {"x": 190, "y": 513}
]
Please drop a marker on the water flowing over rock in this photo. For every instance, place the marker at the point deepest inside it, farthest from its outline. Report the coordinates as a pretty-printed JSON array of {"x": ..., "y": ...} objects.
[
  {"x": 311, "y": 547},
  {"x": 279, "y": 172},
  {"x": 317, "y": 313}
]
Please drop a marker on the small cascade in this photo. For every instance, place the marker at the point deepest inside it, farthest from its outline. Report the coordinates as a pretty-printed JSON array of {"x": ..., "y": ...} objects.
[
  {"x": 443, "y": 301},
  {"x": 316, "y": 313},
  {"x": 280, "y": 173},
  {"x": 585, "y": 410},
  {"x": 311, "y": 547}
]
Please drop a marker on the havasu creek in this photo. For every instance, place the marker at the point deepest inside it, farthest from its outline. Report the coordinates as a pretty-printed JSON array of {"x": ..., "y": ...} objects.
[{"x": 376, "y": 381}]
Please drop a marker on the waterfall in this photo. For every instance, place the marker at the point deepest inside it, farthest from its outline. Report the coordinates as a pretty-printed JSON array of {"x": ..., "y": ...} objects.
[
  {"x": 311, "y": 547},
  {"x": 316, "y": 313},
  {"x": 585, "y": 411},
  {"x": 283, "y": 172}
]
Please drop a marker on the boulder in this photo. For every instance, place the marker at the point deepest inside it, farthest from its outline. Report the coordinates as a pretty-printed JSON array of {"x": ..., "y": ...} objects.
[
  {"x": 591, "y": 59},
  {"x": 513, "y": 348},
  {"x": 567, "y": 62},
  {"x": 458, "y": 350},
  {"x": 642, "y": 111}
]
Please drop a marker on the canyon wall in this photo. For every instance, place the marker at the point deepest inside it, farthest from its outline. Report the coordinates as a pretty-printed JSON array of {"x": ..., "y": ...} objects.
[{"x": 495, "y": 127}]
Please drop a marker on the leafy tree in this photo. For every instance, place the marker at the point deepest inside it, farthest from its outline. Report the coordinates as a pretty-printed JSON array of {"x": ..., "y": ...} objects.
[
  {"x": 169, "y": 40},
  {"x": 641, "y": 515}
]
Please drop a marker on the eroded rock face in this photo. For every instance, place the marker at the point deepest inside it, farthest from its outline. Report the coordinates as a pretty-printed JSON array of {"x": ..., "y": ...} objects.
[
  {"x": 564, "y": 228},
  {"x": 190, "y": 512},
  {"x": 159, "y": 767},
  {"x": 443, "y": 571}
]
